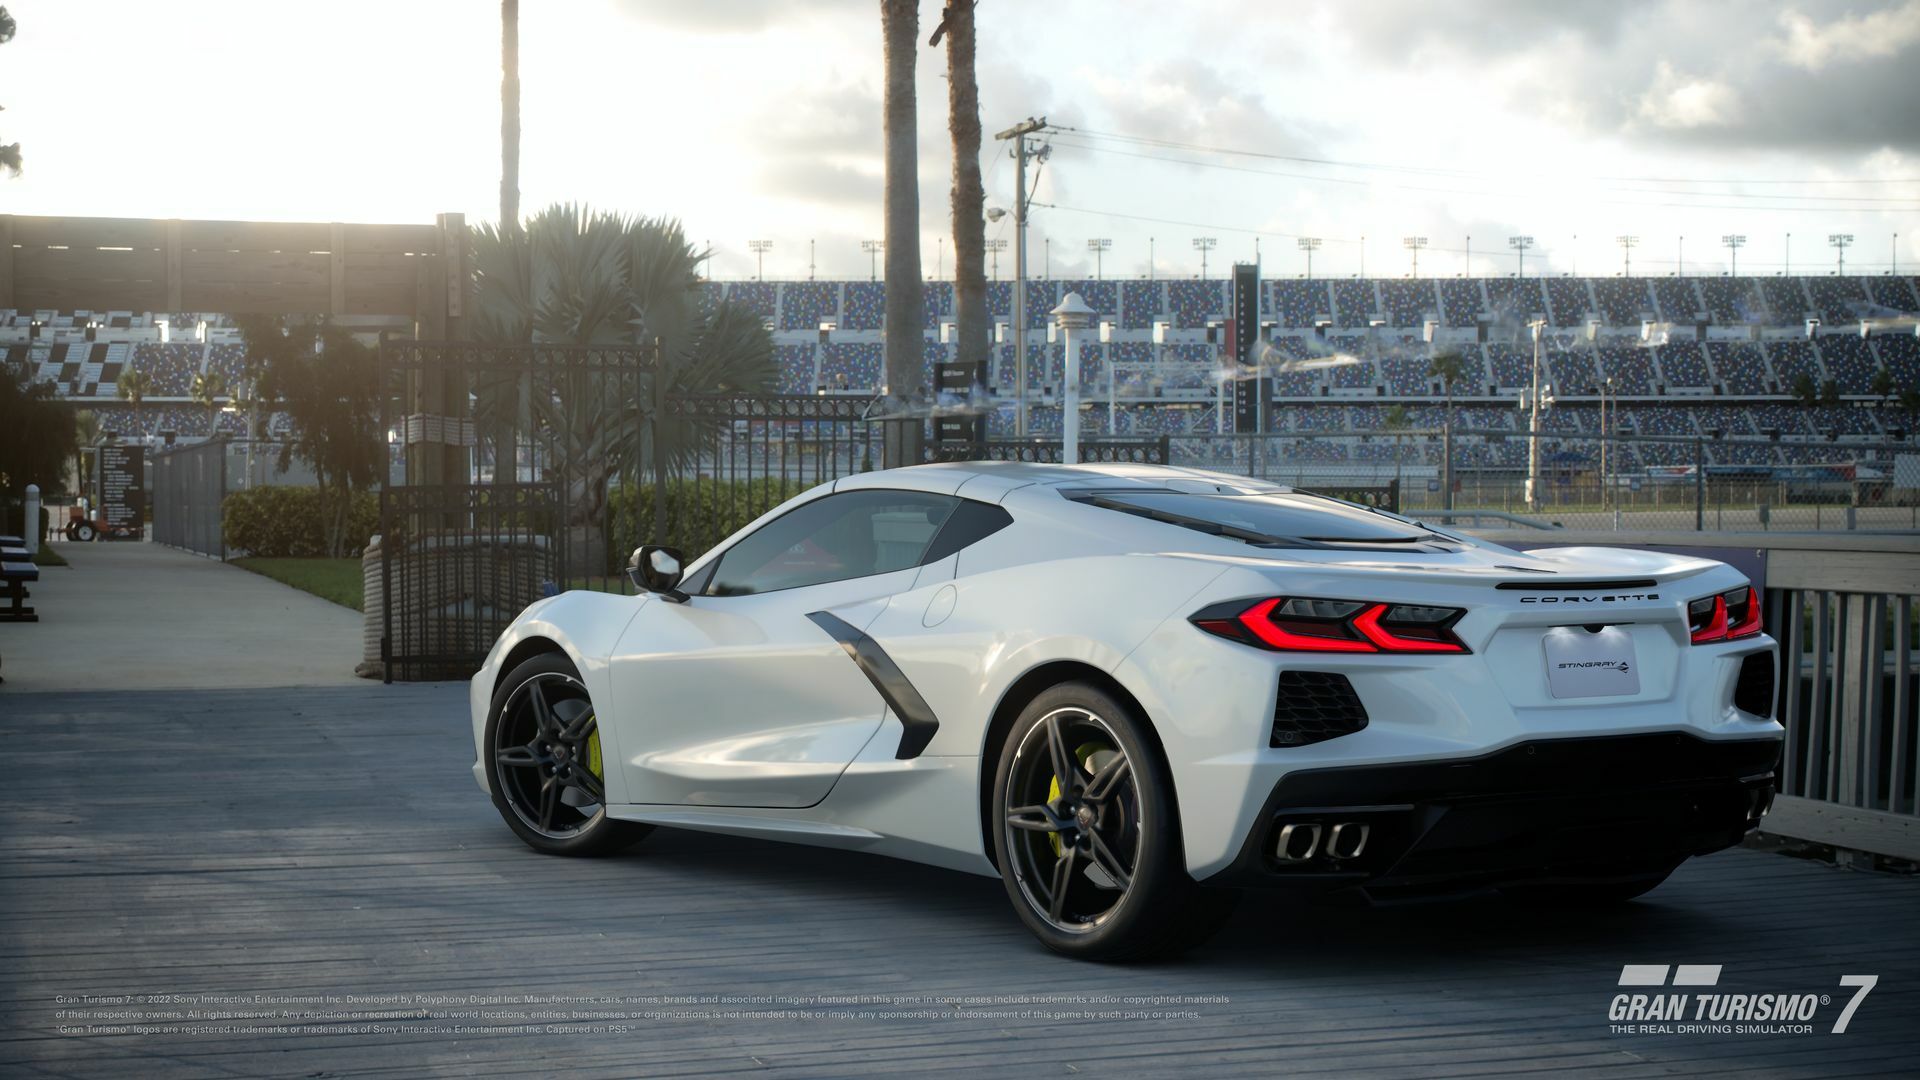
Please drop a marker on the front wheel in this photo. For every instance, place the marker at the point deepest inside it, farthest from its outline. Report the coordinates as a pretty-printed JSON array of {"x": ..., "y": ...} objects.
[
  {"x": 542, "y": 742},
  {"x": 1088, "y": 836}
]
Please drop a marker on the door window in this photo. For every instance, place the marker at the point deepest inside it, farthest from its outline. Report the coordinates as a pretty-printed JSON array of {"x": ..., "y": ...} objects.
[{"x": 847, "y": 535}]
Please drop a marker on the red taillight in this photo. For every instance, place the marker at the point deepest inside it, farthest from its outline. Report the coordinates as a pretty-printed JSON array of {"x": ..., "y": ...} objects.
[
  {"x": 1728, "y": 616},
  {"x": 1304, "y": 625}
]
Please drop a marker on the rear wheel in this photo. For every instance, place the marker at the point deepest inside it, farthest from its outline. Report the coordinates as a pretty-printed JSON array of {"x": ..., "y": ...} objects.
[
  {"x": 1574, "y": 894},
  {"x": 1088, "y": 836},
  {"x": 545, "y": 771}
]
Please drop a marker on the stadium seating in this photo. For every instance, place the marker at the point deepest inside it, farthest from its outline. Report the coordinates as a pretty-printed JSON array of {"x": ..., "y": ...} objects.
[
  {"x": 1684, "y": 365},
  {"x": 1741, "y": 367},
  {"x": 804, "y": 305},
  {"x": 1408, "y": 302},
  {"x": 1677, "y": 301},
  {"x": 1512, "y": 301},
  {"x": 1193, "y": 304},
  {"x": 1354, "y": 302},
  {"x": 1571, "y": 300},
  {"x": 1894, "y": 294},
  {"x": 1785, "y": 299},
  {"x": 1850, "y": 361},
  {"x": 1297, "y": 303},
  {"x": 1793, "y": 359},
  {"x": 1460, "y": 301},
  {"x": 1623, "y": 301},
  {"x": 1838, "y": 300}
]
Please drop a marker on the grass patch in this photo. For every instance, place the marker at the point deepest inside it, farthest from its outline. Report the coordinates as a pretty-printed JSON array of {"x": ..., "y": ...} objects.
[
  {"x": 337, "y": 580},
  {"x": 46, "y": 556}
]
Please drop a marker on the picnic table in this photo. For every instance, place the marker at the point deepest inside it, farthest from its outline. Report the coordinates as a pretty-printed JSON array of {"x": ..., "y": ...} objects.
[{"x": 16, "y": 569}]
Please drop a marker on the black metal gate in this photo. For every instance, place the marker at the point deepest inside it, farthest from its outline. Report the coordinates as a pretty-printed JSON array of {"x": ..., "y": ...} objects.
[
  {"x": 189, "y": 483},
  {"x": 522, "y": 471}
]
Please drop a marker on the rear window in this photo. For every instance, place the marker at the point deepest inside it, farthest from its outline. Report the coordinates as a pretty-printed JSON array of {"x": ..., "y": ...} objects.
[{"x": 1266, "y": 519}]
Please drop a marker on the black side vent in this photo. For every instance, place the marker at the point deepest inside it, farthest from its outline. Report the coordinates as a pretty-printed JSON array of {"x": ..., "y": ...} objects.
[
  {"x": 1315, "y": 706},
  {"x": 1753, "y": 690}
]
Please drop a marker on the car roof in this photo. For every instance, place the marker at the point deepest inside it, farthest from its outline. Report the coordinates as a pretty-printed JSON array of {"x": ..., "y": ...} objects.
[{"x": 991, "y": 479}]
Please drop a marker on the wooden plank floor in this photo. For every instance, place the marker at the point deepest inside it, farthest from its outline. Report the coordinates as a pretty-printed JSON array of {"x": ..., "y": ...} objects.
[{"x": 331, "y": 842}]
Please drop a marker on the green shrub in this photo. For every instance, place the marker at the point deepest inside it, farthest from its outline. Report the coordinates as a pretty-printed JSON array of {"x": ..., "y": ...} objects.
[
  {"x": 699, "y": 514},
  {"x": 289, "y": 522}
]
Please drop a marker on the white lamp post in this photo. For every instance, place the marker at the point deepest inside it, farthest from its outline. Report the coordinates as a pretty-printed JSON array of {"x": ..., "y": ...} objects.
[{"x": 1073, "y": 316}]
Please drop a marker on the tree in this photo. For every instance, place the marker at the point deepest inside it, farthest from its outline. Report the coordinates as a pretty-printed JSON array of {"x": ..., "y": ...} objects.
[
  {"x": 1882, "y": 387},
  {"x": 510, "y": 113},
  {"x": 1805, "y": 390},
  {"x": 1397, "y": 421},
  {"x": 132, "y": 386},
  {"x": 327, "y": 384},
  {"x": 208, "y": 388},
  {"x": 905, "y": 307},
  {"x": 86, "y": 434},
  {"x": 1449, "y": 367},
  {"x": 36, "y": 434},
  {"x": 576, "y": 277},
  {"x": 968, "y": 197},
  {"x": 9, "y": 153}
]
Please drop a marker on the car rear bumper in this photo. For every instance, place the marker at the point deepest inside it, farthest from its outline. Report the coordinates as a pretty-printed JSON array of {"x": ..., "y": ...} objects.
[{"x": 1542, "y": 810}]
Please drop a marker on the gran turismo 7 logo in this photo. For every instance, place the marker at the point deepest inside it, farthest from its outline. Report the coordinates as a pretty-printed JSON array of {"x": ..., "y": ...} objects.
[{"x": 1700, "y": 1009}]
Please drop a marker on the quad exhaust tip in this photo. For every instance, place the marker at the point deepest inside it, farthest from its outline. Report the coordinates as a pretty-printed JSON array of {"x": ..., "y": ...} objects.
[{"x": 1299, "y": 841}]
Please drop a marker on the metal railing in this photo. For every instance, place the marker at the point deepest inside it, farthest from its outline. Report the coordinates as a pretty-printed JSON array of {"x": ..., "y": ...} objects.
[
  {"x": 1846, "y": 611},
  {"x": 189, "y": 483}
]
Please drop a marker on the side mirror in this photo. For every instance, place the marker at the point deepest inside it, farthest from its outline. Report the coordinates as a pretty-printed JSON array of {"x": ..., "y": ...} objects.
[{"x": 658, "y": 570}]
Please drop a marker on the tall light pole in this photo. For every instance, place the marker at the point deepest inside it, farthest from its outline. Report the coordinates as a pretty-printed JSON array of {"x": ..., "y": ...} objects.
[
  {"x": 1734, "y": 242},
  {"x": 1680, "y": 259},
  {"x": 1414, "y": 244},
  {"x": 1308, "y": 244},
  {"x": 1046, "y": 264},
  {"x": 759, "y": 249},
  {"x": 1840, "y": 242},
  {"x": 1627, "y": 244},
  {"x": 1149, "y": 258},
  {"x": 1099, "y": 245},
  {"x": 1018, "y": 134},
  {"x": 1204, "y": 244},
  {"x": 1469, "y": 258},
  {"x": 809, "y": 259},
  {"x": 939, "y": 257},
  {"x": 995, "y": 247},
  {"x": 873, "y": 248},
  {"x": 1786, "y": 267},
  {"x": 1520, "y": 244}
]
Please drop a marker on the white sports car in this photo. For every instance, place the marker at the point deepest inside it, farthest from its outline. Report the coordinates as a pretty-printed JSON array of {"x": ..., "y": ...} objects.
[{"x": 1131, "y": 692}]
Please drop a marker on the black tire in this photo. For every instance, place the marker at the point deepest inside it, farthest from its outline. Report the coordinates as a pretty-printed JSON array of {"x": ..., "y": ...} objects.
[
  {"x": 541, "y": 755},
  {"x": 1579, "y": 894},
  {"x": 83, "y": 532},
  {"x": 1059, "y": 837}
]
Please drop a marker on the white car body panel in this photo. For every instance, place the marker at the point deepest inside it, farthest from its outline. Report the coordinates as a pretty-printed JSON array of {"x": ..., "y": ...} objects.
[{"x": 736, "y": 714}]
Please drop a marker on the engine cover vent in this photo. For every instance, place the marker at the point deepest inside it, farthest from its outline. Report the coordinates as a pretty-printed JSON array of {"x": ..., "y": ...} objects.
[
  {"x": 1314, "y": 706},
  {"x": 1753, "y": 690}
]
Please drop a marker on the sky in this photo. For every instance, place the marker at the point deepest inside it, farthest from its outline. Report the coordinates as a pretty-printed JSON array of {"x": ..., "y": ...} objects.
[{"x": 1362, "y": 123}]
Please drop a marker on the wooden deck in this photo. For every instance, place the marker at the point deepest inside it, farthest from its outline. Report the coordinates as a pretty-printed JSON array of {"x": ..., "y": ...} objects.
[{"x": 329, "y": 841}]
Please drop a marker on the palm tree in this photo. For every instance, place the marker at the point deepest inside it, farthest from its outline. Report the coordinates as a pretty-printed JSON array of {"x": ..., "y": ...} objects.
[
  {"x": 969, "y": 197},
  {"x": 576, "y": 277},
  {"x": 208, "y": 388},
  {"x": 10, "y": 153},
  {"x": 1449, "y": 367},
  {"x": 509, "y": 113},
  {"x": 905, "y": 349},
  {"x": 132, "y": 386},
  {"x": 1397, "y": 421},
  {"x": 86, "y": 433},
  {"x": 1882, "y": 387}
]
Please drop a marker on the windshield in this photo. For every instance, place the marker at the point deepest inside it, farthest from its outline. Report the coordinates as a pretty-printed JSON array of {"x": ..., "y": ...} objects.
[{"x": 1268, "y": 518}]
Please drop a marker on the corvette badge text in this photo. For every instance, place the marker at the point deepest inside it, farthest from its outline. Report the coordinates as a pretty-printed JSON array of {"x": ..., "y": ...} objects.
[{"x": 1691, "y": 1004}]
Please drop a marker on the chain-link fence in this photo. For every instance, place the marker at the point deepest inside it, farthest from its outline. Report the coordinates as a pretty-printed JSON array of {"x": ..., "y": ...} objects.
[
  {"x": 188, "y": 484},
  {"x": 1583, "y": 481}
]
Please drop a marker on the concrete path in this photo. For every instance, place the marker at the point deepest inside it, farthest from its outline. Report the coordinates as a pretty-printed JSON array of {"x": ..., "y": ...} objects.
[
  {"x": 317, "y": 876},
  {"x": 139, "y": 616}
]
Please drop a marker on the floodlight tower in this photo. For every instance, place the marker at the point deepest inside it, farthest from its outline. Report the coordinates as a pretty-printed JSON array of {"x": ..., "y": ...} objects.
[
  {"x": 1309, "y": 244},
  {"x": 1734, "y": 242},
  {"x": 1840, "y": 242},
  {"x": 996, "y": 246},
  {"x": 1099, "y": 245},
  {"x": 759, "y": 249},
  {"x": 1520, "y": 244},
  {"x": 1627, "y": 244},
  {"x": 1414, "y": 244},
  {"x": 873, "y": 248},
  {"x": 1204, "y": 244}
]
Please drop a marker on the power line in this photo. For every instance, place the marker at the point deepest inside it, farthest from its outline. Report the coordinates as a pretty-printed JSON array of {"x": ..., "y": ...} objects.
[{"x": 1433, "y": 170}]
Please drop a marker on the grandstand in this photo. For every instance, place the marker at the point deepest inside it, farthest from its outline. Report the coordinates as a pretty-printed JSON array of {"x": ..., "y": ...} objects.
[{"x": 1726, "y": 360}]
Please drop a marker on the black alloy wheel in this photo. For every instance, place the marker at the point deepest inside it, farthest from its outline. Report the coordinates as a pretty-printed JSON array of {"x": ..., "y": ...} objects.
[{"x": 545, "y": 772}]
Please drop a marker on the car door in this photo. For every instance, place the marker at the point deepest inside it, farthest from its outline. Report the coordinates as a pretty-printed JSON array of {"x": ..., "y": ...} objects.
[{"x": 740, "y": 697}]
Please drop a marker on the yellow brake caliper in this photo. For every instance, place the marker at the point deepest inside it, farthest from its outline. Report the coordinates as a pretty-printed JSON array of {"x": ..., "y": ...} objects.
[
  {"x": 1085, "y": 753},
  {"x": 593, "y": 755}
]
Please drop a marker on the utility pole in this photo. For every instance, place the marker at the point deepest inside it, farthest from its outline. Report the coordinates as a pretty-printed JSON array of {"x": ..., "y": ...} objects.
[
  {"x": 1627, "y": 244},
  {"x": 1520, "y": 244},
  {"x": 1840, "y": 242},
  {"x": 873, "y": 248},
  {"x": 1414, "y": 244},
  {"x": 1734, "y": 242},
  {"x": 759, "y": 249},
  {"x": 1204, "y": 244},
  {"x": 1018, "y": 133},
  {"x": 1308, "y": 244},
  {"x": 1099, "y": 245}
]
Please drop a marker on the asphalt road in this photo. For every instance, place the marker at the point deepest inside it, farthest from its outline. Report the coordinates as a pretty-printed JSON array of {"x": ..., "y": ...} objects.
[{"x": 321, "y": 856}]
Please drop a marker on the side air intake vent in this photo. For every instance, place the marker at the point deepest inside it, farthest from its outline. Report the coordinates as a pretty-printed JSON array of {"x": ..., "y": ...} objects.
[
  {"x": 1315, "y": 706},
  {"x": 1753, "y": 690}
]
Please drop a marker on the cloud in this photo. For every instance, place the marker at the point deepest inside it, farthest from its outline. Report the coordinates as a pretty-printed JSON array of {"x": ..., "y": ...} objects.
[
  {"x": 1811, "y": 45},
  {"x": 1686, "y": 101},
  {"x": 738, "y": 16},
  {"x": 1194, "y": 101}
]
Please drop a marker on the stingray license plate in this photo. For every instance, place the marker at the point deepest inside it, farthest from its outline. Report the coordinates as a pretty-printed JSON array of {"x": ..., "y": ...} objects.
[{"x": 1583, "y": 664}]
